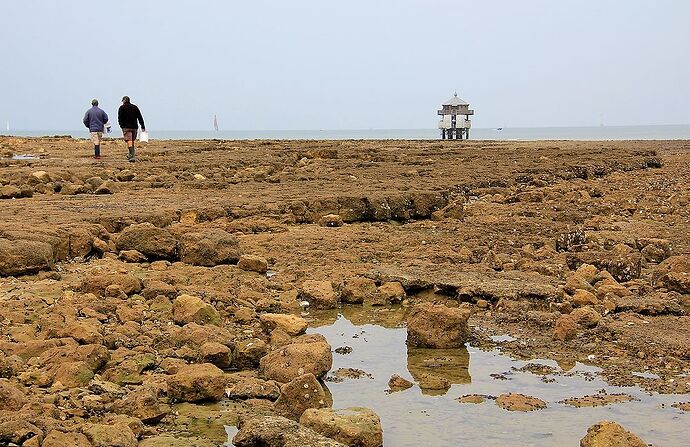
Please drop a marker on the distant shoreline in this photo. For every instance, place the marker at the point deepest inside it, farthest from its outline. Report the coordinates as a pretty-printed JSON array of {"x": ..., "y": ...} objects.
[{"x": 593, "y": 133}]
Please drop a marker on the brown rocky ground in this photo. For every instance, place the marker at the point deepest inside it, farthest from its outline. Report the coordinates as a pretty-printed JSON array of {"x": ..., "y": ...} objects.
[{"x": 129, "y": 288}]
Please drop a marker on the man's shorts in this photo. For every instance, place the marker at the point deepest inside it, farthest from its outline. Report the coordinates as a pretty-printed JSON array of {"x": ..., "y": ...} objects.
[
  {"x": 96, "y": 137},
  {"x": 130, "y": 134}
]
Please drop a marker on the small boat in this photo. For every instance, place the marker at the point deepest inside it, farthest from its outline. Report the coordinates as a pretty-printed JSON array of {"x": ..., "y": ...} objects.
[{"x": 499, "y": 128}]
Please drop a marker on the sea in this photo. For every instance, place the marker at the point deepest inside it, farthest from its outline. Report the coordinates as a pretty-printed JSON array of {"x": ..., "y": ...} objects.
[{"x": 596, "y": 133}]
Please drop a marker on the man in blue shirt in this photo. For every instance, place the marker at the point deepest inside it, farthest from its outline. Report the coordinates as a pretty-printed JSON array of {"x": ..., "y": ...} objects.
[{"x": 95, "y": 119}]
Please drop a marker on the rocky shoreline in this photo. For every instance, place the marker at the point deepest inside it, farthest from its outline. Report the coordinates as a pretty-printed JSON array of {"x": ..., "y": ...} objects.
[{"x": 134, "y": 296}]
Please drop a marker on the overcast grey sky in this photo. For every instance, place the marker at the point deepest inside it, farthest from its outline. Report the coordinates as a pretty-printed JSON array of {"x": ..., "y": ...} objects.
[{"x": 356, "y": 64}]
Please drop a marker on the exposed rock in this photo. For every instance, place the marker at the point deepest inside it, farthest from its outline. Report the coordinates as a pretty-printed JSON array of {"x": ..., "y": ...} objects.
[
  {"x": 195, "y": 383},
  {"x": 331, "y": 220},
  {"x": 26, "y": 191},
  {"x": 275, "y": 431},
  {"x": 133, "y": 256},
  {"x": 85, "y": 332},
  {"x": 397, "y": 383},
  {"x": 673, "y": 274},
  {"x": 217, "y": 354},
  {"x": 195, "y": 335},
  {"x": 253, "y": 263},
  {"x": 683, "y": 406},
  {"x": 21, "y": 257},
  {"x": 291, "y": 324},
  {"x": 10, "y": 192},
  {"x": 454, "y": 210},
  {"x": 583, "y": 298},
  {"x": 243, "y": 387},
  {"x": 142, "y": 404},
  {"x": 566, "y": 328},
  {"x": 107, "y": 187},
  {"x": 300, "y": 394},
  {"x": 72, "y": 189},
  {"x": 391, "y": 292},
  {"x": 11, "y": 398},
  {"x": 351, "y": 426},
  {"x": 19, "y": 432},
  {"x": 100, "y": 246},
  {"x": 59, "y": 439},
  {"x": 73, "y": 374},
  {"x": 209, "y": 248},
  {"x": 125, "y": 175},
  {"x": 622, "y": 266},
  {"x": 357, "y": 290},
  {"x": 192, "y": 309},
  {"x": 146, "y": 238},
  {"x": 610, "y": 286},
  {"x": 568, "y": 241},
  {"x": 308, "y": 354},
  {"x": 586, "y": 317},
  {"x": 519, "y": 402},
  {"x": 319, "y": 294},
  {"x": 168, "y": 440},
  {"x": 610, "y": 434},
  {"x": 94, "y": 182},
  {"x": 437, "y": 326},
  {"x": 10, "y": 365},
  {"x": 41, "y": 176},
  {"x": 598, "y": 400},
  {"x": 152, "y": 289},
  {"x": 248, "y": 353},
  {"x": 586, "y": 272},
  {"x": 654, "y": 304},
  {"x": 104, "y": 435},
  {"x": 653, "y": 249},
  {"x": 128, "y": 371},
  {"x": 98, "y": 284},
  {"x": 541, "y": 318},
  {"x": 472, "y": 399}
]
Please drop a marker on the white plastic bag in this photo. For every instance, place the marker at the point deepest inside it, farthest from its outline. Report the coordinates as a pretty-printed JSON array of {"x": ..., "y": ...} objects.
[{"x": 144, "y": 137}]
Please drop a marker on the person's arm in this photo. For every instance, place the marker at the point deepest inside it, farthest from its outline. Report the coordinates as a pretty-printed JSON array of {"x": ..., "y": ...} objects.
[
  {"x": 141, "y": 120},
  {"x": 86, "y": 119},
  {"x": 119, "y": 117},
  {"x": 105, "y": 117}
]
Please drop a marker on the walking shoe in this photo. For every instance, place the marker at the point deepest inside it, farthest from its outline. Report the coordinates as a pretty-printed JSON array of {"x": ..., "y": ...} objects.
[{"x": 97, "y": 157}]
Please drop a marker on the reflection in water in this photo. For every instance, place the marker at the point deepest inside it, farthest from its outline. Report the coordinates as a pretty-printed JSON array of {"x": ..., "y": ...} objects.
[
  {"x": 434, "y": 417},
  {"x": 387, "y": 317},
  {"x": 449, "y": 366}
]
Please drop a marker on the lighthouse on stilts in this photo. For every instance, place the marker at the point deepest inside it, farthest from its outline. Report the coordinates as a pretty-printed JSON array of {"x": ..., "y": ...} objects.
[{"x": 455, "y": 119}]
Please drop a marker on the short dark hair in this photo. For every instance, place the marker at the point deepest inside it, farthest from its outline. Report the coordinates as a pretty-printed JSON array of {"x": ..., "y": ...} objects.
[
  {"x": 94, "y": 102},
  {"x": 125, "y": 99}
]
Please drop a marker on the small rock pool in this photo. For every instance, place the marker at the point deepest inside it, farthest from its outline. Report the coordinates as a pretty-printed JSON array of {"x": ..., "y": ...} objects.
[{"x": 435, "y": 417}]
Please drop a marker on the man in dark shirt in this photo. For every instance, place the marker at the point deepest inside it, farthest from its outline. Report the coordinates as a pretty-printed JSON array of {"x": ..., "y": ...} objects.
[
  {"x": 127, "y": 116},
  {"x": 96, "y": 120}
]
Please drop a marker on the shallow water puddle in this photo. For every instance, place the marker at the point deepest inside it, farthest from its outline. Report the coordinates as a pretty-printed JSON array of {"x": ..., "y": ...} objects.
[
  {"x": 434, "y": 417},
  {"x": 24, "y": 157}
]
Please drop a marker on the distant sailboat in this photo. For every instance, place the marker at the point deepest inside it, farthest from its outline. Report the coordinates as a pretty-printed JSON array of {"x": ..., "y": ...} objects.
[
  {"x": 215, "y": 123},
  {"x": 8, "y": 126}
]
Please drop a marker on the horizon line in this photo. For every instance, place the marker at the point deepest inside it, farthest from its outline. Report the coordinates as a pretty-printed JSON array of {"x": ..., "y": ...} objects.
[{"x": 366, "y": 129}]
